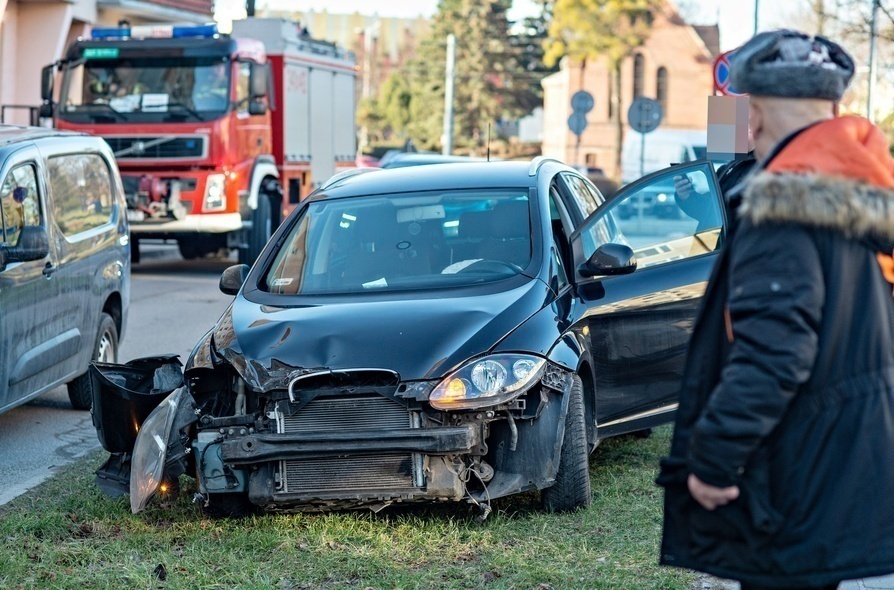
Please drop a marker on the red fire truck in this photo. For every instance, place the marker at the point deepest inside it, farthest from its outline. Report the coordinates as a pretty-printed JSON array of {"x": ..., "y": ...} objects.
[{"x": 217, "y": 136}]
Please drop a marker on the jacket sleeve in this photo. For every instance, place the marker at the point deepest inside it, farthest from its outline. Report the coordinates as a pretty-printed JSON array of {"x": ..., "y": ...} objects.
[{"x": 776, "y": 295}]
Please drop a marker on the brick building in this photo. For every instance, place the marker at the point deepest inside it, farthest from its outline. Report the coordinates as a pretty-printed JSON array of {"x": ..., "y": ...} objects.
[
  {"x": 673, "y": 66},
  {"x": 34, "y": 33}
]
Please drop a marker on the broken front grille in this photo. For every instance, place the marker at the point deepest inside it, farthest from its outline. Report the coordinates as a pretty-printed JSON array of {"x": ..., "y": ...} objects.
[{"x": 358, "y": 474}]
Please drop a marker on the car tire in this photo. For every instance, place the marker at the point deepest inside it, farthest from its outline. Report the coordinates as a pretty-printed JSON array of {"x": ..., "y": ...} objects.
[
  {"x": 261, "y": 230},
  {"x": 105, "y": 349},
  {"x": 572, "y": 488},
  {"x": 227, "y": 506},
  {"x": 189, "y": 250}
]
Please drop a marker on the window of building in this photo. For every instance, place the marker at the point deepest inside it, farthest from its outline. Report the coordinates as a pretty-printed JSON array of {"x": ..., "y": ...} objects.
[
  {"x": 81, "y": 188},
  {"x": 639, "y": 67},
  {"x": 661, "y": 92}
]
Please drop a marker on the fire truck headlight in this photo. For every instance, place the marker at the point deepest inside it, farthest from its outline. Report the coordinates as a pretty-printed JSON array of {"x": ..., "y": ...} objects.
[{"x": 215, "y": 197}]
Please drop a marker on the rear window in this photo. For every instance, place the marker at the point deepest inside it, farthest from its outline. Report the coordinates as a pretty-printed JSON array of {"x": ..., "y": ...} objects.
[{"x": 412, "y": 241}]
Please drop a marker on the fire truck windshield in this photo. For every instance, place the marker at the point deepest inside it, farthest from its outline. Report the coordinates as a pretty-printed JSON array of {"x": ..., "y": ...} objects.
[{"x": 145, "y": 90}]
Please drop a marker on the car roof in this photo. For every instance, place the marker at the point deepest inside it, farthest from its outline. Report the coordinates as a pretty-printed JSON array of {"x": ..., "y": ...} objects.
[
  {"x": 16, "y": 134},
  {"x": 452, "y": 176},
  {"x": 419, "y": 159}
]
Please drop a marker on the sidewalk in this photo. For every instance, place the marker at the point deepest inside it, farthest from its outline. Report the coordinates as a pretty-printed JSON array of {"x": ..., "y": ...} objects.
[{"x": 882, "y": 583}]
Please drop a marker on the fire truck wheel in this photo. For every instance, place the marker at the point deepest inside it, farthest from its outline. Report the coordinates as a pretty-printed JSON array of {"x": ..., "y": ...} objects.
[{"x": 261, "y": 230}]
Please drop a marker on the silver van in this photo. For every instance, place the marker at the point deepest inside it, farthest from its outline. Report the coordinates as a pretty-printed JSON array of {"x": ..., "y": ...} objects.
[{"x": 64, "y": 262}]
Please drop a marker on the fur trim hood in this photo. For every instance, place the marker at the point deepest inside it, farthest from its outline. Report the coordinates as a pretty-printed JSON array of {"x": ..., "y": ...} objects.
[{"x": 855, "y": 209}]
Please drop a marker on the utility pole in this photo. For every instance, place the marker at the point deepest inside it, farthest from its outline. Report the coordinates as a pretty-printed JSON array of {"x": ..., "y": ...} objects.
[
  {"x": 447, "y": 141},
  {"x": 756, "y": 8},
  {"x": 873, "y": 61},
  {"x": 368, "y": 50}
]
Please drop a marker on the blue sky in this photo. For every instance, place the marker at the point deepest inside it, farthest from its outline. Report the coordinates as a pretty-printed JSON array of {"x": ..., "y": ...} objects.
[{"x": 736, "y": 17}]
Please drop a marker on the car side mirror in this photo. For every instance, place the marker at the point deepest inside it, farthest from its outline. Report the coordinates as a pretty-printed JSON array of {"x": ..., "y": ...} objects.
[
  {"x": 233, "y": 278},
  {"x": 34, "y": 244},
  {"x": 257, "y": 107},
  {"x": 609, "y": 259}
]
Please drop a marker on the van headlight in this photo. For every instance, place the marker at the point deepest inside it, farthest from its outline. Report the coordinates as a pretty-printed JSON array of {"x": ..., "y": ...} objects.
[
  {"x": 487, "y": 381},
  {"x": 215, "y": 197}
]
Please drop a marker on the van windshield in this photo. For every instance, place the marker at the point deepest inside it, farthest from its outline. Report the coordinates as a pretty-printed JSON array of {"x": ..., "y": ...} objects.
[
  {"x": 155, "y": 90},
  {"x": 410, "y": 241}
]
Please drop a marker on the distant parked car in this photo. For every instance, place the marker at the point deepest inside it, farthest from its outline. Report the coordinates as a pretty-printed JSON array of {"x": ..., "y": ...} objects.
[
  {"x": 445, "y": 333},
  {"x": 64, "y": 262}
]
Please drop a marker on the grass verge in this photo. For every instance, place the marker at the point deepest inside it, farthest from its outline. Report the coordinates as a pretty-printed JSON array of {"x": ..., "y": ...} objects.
[{"x": 67, "y": 534}]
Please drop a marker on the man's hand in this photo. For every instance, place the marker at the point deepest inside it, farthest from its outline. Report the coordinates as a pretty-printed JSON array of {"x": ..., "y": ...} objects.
[
  {"x": 710, "y": 497},
  {"x": 683, "y": 186}
]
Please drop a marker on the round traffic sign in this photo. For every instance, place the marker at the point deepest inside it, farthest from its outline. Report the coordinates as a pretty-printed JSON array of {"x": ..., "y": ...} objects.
[
  {"x": 723, "y": 76},
  {"x": 582, "y": 102},
  {"x": 644, "y": 115},
  {"x": 577, "y": 122}
]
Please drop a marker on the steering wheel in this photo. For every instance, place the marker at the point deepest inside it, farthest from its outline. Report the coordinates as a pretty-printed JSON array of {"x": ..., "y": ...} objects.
[{"x": 492, "y": 265}]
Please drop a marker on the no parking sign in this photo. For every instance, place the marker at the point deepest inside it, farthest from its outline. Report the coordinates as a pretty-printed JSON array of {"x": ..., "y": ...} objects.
[{"x": 722, "y": 83}]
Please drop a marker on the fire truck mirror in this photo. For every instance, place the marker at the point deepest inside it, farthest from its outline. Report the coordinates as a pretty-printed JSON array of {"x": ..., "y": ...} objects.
[
  {"x": 46, "y": 82},
  {"x": 258, "y": 80},
  {"x": 257, "y": 107}
]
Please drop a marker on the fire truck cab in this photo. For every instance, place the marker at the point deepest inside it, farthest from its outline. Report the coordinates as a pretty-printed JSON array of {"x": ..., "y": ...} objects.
[{"x": 201, "y": 125}]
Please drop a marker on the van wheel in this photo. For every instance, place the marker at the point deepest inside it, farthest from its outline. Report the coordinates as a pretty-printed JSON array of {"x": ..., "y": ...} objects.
[
  {"x": 572, "y": 488},
  {"x": 261, "y": 230},
  {"x": 105, "y": 350}
]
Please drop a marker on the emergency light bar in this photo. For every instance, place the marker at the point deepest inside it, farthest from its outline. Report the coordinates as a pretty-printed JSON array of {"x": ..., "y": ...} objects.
[{"x": 157, "y": 32}]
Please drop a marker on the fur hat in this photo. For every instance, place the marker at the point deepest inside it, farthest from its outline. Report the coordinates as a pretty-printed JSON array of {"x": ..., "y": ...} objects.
[{"x": 791, "y": 64}]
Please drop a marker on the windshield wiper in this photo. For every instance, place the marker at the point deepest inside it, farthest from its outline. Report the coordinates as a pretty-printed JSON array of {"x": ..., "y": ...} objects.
[
  {"x": 109, "y": 107},
  {"x": 187, "y": 108}
]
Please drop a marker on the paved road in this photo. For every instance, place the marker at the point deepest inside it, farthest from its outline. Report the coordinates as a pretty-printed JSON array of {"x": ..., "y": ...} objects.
[{"x": 173, "y": 303}]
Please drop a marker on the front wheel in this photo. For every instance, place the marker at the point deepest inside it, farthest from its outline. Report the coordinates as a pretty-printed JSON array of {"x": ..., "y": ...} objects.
[
  {"x": 105, "y": 350},
  {"x": 572, "y": 488},
  {"x": 261, "y": 230}
]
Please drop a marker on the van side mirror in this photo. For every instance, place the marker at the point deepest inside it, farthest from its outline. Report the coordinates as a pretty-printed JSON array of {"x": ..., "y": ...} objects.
[
  {"x": 233, "y": 278},
  {"x": 34, "y": 244},
  {"x": 609, "y": 259}
]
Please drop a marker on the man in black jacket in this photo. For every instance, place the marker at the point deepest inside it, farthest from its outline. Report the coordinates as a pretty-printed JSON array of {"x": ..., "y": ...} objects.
[{"x": 781, "y": 470}]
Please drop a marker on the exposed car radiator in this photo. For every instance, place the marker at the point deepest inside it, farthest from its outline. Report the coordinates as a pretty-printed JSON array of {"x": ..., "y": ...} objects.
[
  {"x": 347, "y": 413},
  {"x": 391, "y": 473}
]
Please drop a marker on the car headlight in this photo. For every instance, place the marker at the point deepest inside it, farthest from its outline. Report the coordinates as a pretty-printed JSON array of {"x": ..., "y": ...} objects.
[
  {"x": 487, "y": 381},
  {"x": 215, "y": 197},
  {"x": 147, "y": 466}
]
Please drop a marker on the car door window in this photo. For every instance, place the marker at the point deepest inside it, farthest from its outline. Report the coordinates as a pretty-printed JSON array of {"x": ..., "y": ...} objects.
[
  {"x": 671, "y": 215},
  {"x": 586, "y": 197},
  {"x": 19, "y": 202},
  {"x": 81, "y": 188}
]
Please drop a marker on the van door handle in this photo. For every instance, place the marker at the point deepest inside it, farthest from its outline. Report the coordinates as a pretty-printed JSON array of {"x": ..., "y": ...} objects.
[{"x": 49, "y": 269}]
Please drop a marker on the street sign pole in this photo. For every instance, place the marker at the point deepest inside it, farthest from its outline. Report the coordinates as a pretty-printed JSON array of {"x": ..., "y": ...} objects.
[
  {"x": 642, "y": 155},
  {"x": 581, "y": 104}
]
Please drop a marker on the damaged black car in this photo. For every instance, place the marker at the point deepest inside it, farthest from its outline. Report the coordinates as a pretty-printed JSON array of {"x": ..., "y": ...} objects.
[{"x": 459, "y": 332}]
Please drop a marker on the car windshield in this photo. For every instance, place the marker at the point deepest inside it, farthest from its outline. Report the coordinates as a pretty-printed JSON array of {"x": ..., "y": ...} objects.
[
  {"x": 146, "y": 89},
  {"x": 409, "y": 241}
]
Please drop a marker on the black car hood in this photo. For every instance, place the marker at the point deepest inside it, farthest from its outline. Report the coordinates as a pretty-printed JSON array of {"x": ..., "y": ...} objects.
[{"x": 417, "y": 338}]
